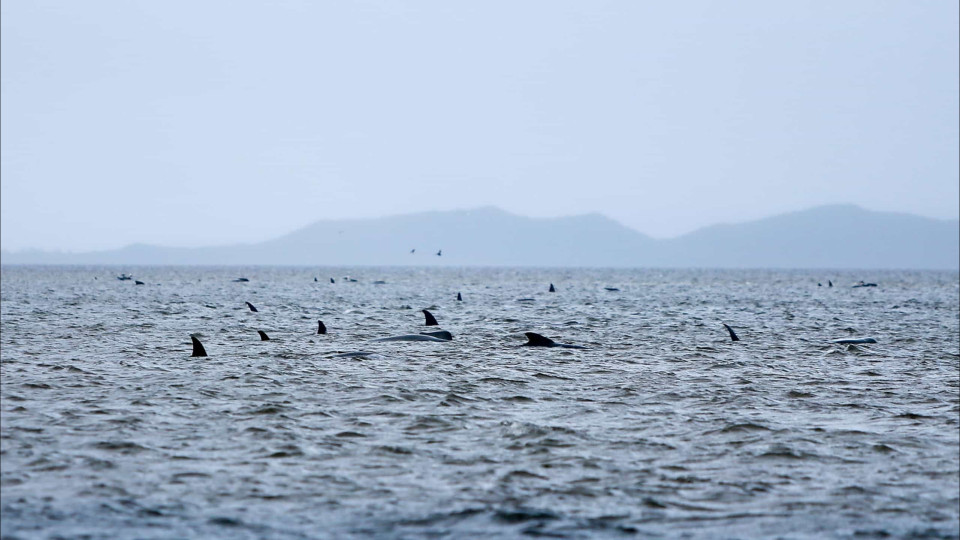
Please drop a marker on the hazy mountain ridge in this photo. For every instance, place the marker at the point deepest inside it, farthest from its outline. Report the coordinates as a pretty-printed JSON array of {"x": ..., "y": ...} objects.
[{"x": 838, "y": 236}]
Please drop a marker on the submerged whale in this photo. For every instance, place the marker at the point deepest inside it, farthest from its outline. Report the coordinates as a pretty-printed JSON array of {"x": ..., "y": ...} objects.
[
  {"x": 413, "y": 337},
  {"x": 198, "y": 349},
  {"x": 442, "y": 334},
  {"x": 859, "y": 341},
  {"x": 733, "y": 335},
  {"x": 536, "y": 340},
  {"x": 355, "y": 354}
]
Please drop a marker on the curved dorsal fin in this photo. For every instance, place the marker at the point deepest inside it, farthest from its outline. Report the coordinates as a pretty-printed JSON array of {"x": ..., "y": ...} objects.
[
  {"x": 321, "y": 329},
  {"x": 252, "y": 307},
  {"x": 552, "y": 288},
  {"x": 733, "y": 335},
  {"x": 431, "y": 321},
  {"x": 263, "y": 335},
  {"x": 459, "y": 298},
  {"x": 198, "y": 349},
  {"x": 536, "y": 340}
]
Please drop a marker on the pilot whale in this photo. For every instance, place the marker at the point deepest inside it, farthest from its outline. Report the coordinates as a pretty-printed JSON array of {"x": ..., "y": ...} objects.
[
  {"x": 412, "y": 337},
  {"x": 860, "y": 341},
  {"x": 263, "y": 335},
  {"x": 198, "y": 349},
  {"x": 431, "y": 321},
  {"x": 733, "y": 335},
  {"x": 252, "y": 307},
  {"x": 536, "y": 340},
  {"x": 321, "y": 328}
]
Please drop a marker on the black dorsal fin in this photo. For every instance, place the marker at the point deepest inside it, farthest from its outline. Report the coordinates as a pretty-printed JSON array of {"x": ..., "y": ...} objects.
[
  {"x": 198, "y": 349},
  {"x": 431, "y": 321},
  {"x": 332, "y": 280},
  {"x": 552, "y": 288},
  {"x": 252, "y": 307},
  {"x": 321, "y": 329},
  {"x": 536, "y": 340},
  {"x": 733, "y": 335},
  {"x": 459, "y": 298},
  {"x": 263, "y": 335}
]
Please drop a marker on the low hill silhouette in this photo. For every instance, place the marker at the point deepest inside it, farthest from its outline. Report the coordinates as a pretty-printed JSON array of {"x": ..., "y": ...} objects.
[{"x": 837, "y": 236}]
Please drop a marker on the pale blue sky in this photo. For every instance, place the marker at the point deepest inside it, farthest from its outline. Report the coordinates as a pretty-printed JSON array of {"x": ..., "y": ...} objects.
[{"x": 199, "y": 123}]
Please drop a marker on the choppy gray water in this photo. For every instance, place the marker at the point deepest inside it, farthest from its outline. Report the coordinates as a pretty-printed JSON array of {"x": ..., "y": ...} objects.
[{"x": 662, "y": 428}]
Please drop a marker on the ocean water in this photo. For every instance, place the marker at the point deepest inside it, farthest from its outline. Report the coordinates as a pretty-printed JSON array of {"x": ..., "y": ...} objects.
[{"x": 662, "y": 428}]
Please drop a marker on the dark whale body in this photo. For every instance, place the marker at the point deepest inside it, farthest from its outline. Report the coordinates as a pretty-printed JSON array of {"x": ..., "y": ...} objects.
[
  {"x": 536, "y": 340},
  {"x": 412, "y": 337},
  {"x": 252, "y": 307},
  {"x": 442, "y": 334}
]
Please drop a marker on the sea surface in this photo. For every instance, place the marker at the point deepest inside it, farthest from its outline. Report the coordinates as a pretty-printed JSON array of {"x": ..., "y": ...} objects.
[{"x": 662, "y": 428}]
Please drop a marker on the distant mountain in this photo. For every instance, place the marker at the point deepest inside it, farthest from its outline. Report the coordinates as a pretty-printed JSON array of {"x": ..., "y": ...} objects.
[
  {"x": 841, "y": 236},
  {"x": 837, "y": 236}
]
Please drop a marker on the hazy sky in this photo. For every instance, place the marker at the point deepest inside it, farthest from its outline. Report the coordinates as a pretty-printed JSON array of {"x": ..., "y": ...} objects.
[{"x": 198, "y": 123}]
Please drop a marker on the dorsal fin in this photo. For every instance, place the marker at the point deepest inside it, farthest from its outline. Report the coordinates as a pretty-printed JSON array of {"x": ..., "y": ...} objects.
[
  {"x": 431, "y": 321},
  {"x": 332, "y": 281},
  {"x": 459, "y": 298},
  {"x": 252, "y": 307},
  {"x": 536, "y": 340},
  {"x": 263, "y": 335},
  {"x": 442, "y": 334},
  {"x": 321, "y": 329},
  {"x": 198, "y": 349},
  {"x": 552, "y": 288},
  {"x": 733, "y": 335}
]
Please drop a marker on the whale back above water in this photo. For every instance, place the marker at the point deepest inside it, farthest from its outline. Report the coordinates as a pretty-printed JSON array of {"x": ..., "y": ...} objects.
[
  {"x": 321, "y": 329},
  {"x": 252, "y": 307},
  {"x": 856, "y": 341},
  {"x": 442, "y": 334},
  {"x": 412, "y": 337},
  {"x": 536, "y": 340},
  {"x": 198, "y": 349},
  {"x": 431, "y": 321},
  {"x": 263, "y": 335}
]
